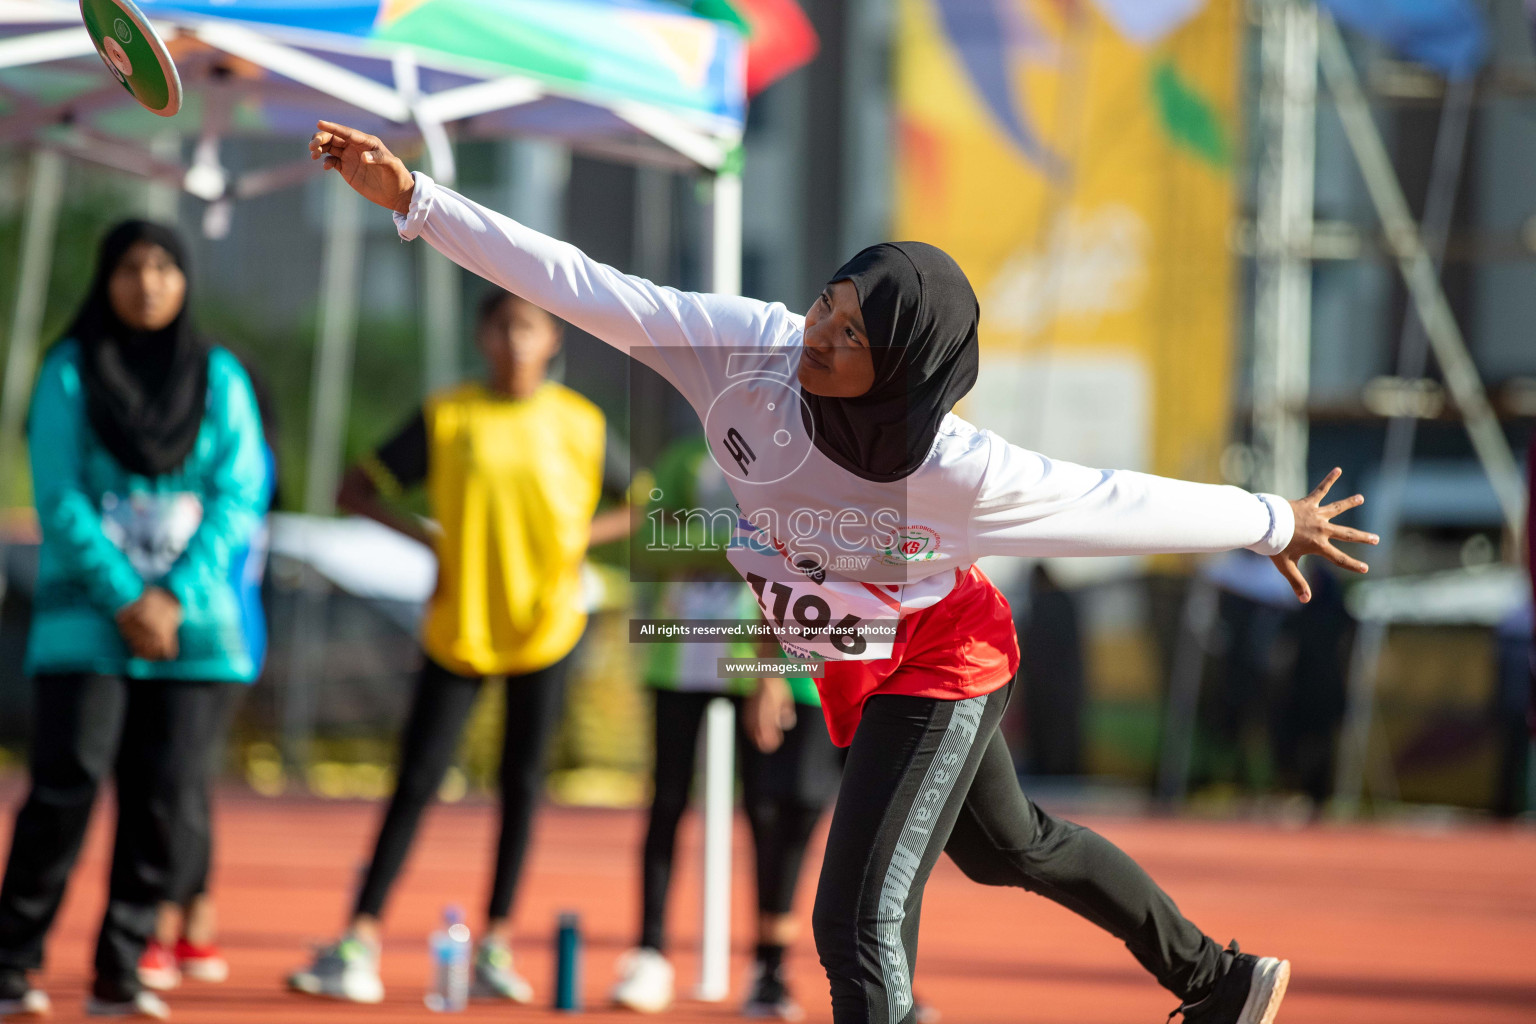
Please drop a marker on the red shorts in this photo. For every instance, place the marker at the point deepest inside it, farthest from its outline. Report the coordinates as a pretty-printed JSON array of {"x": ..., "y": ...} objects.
[{"x": 964, "y": 646}]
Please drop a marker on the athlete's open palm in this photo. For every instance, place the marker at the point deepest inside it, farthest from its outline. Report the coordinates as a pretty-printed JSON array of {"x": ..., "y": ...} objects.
[
  {"x": 366, "y": 164},
  {"x": 1316, "y": 533}
]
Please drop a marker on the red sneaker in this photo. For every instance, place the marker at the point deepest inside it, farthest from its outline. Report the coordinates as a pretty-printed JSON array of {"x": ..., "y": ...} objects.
[
  {"x": 157, "y": 968},
  {"x": 202, "y": 963}
]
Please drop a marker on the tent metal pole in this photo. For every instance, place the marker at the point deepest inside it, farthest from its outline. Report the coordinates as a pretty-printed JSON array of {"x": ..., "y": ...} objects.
[
  {"x": 720, "y": 721},
  {"x": 331, "y": 384},
  {"x": 725, "y": 235},
  {"x": 441, "y": 317},
  {"x": 42, "y": 221},
  {"x": 719, "y": 812},
  {"x": 708, "y": 151},
  {"x": 440, "y": 306},
  {"x": 162, "y": 200},
  {"x": 1421, "y": 278},
  {"x": 317, "y": 73},
  {"x": 1282, "y": 330},
  {"x": 537, "y": 174},
  {"x": 39, "y": 232}
]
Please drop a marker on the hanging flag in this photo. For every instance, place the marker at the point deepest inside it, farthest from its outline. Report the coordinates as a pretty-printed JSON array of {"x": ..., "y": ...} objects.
[
  {"x": 994, "y": 39},
  {"x": 1450, "y": 36},
  {"x": 780, "y": 38}
]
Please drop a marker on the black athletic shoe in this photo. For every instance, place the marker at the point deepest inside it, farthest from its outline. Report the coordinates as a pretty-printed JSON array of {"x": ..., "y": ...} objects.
[
  {"x": 1249, "y": 993},
  {"x": 770, "y": 996}
]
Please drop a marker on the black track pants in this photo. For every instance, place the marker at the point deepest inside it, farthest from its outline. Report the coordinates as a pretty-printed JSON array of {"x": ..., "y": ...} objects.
[
  {"x": 152, "y": 736},
  {"x": 438, "y": 714},
  {"x": 784, "y": 793},
  {"x": 925, "y": 776},
  {"x": 193, "y": 852}
]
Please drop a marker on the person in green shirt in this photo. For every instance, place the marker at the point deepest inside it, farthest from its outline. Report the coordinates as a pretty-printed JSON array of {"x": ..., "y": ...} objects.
[
  {"x": 789, "y": 767},
  {"x": 149, "y": 476}
]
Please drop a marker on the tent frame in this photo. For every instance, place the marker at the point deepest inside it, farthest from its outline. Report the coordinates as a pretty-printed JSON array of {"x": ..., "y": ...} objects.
[{"x": 683, "y": 144}]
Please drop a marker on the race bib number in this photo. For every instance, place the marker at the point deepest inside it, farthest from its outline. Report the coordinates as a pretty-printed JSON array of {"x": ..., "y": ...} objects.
[
  {"x": 151, "y": 529},
  {"x": 815, "y": 615}
]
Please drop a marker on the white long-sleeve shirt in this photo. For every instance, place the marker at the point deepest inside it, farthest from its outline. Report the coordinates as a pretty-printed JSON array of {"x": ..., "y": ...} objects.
[{"x": 819, "y": 544}]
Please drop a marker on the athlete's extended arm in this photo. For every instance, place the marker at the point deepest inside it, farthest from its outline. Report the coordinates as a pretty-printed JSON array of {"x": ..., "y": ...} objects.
[
  {"x": 359, "y": 495},
  {"x": 623, "y": 310},
  {"x": 1030, "y": 505}
]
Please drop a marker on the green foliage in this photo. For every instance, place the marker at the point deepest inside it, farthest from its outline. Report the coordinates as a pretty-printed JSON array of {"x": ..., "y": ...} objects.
[
  {"x": 385, "y": 383},
  {"x": 91, "y": 208}
]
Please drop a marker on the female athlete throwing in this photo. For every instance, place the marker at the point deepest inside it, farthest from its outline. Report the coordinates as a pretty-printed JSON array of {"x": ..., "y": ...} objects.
[{"x": 864, "y": 505}]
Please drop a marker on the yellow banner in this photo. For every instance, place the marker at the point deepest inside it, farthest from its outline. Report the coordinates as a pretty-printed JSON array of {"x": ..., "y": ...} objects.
[{"x": 1077, "y": 160}]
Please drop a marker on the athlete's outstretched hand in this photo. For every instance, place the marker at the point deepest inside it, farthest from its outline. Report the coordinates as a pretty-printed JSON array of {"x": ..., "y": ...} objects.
[
  {"x": 1316, "y": 533},
  {"x": 366, "y": 164}
]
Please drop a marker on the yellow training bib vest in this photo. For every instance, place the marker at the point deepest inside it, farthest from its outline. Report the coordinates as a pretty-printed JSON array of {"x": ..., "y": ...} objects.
[{"x": 514, "y": 484}]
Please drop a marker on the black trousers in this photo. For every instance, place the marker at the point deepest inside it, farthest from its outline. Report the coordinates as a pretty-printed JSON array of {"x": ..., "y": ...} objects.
[
  {"x": 153, "y": 737},
  {"x": 925, "y": 776},
  {"x": 193, "y": 852},
  {"x": 439, "y": 711},
  {"x": 784, "y": 793}
]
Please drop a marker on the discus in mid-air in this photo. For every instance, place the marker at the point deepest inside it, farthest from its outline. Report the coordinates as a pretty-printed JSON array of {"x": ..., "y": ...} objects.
[{"x": 134, "y": 53}]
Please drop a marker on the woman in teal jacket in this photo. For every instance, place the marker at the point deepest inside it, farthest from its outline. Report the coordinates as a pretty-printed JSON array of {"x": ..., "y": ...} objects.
[{"x": 149, "y": 478}]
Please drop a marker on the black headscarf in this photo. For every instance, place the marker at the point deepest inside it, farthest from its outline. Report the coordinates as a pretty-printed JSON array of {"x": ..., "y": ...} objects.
[
  {"x": 145, "y": 391},
  {"x": 920, "y": 317}
]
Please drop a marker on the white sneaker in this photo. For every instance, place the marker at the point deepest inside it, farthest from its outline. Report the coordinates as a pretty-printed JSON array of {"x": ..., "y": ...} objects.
[
  {"x": 33, "y": 1002},
  {"x": 347, "y": 970},
  {"x": 144, "y": 1005},
  {"x": 645, "y": 981}
]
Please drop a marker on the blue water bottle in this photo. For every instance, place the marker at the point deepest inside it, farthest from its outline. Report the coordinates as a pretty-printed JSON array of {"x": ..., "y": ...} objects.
[
  {"x": 568, "y": 963},
  {"x": 450, "y": 951}
]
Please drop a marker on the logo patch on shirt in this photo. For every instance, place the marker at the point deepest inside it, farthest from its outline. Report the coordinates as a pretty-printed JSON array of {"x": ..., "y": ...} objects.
[
  {"x": 739, "y": 449},
  {"x": 152, "y": 529},
  {"x": 911, "y": 544}
]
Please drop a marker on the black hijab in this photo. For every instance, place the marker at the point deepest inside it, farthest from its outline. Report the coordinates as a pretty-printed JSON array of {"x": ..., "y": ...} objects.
[
  {"x": 145, "y": 391},
  {"x": 920, "y": 317}
]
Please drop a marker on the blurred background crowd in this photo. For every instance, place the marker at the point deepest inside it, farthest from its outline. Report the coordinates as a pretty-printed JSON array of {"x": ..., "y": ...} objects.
[{"x": 1187, "y": 264}]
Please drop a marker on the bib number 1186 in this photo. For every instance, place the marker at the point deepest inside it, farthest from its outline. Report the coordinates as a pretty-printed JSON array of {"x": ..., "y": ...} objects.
[{"x": 811, "y": 613}]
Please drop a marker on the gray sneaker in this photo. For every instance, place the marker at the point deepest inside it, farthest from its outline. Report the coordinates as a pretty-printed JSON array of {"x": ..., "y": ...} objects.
[
  {"x": 496, "y": 978},
  {"x": 347, "y": 970}
]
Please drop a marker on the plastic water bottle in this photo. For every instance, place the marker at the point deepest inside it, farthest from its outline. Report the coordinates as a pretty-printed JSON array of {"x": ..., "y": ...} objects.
[
  {"x": 568, "y": 963},
  {"x": 450, "y": 964}
]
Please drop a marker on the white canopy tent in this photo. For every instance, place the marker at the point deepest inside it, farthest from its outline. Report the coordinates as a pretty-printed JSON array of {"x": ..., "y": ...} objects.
[
  {"x": 291, "y": 72},
  {"x": 272, "y": 67}
]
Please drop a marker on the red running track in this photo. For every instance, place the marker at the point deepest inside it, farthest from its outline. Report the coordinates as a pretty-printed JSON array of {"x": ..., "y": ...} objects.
[{"x": 1382, "y": 924}]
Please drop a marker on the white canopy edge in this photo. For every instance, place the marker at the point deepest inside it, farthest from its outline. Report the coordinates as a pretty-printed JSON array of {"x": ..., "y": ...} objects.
[
  {"x": 707, "y": 147},
  {"x": 41, "y": 47},
  {"x": 316, "y": 72}
]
